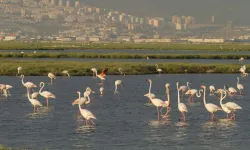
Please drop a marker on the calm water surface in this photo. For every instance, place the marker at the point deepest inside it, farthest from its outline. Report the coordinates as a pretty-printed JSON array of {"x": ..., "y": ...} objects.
[
  {"x": 123, "y": 121},
  {"x": 134, "y": 51}
]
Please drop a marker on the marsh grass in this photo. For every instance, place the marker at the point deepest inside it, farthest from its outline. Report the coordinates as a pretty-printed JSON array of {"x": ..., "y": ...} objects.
[
  {"x": 41, "y": 68},
  {"x": 120, "y": 55}
]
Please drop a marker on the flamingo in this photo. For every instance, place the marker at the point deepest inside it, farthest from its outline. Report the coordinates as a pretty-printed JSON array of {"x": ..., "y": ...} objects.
[
  {"x": 7, "y": 88},
  {"x": 46, "y": 94},
  {"x": 86, "y": 114},
  {"x": 30, "y": 85},
  {"x": 241, "y": 59},
  {"x": 34, "y": 95},
  {"x": 51, "y": 76},
  {"x": 212, "y": 108},
  {"x": 233, "y": 107},
  {"x": 184, "y": 88},
  {"x": 120, "y": 71},
  {"x": 151, "y": 95},
  {"x": 101, "y": 90},
  {"x": 211, "y": 89},
  {"x": 158, "y": 69},
  {"x": 66, "y": 72},
  {"x": 19, "y": 69},
  {"x": 157, "y": 102},
  {"x": 239, "y": 86},
  {"x": 223, "y": 106},
  {"x": 3, "y": 89},
  {"x": 82, "y": 100},
  {"x": 117, "y": 82},
  {"x": 231, "y": 90},
  {"x": 168, "y": 101},
  {"x": 94, "y": 70},
  {"x": 102, "y": 75},
  {"x": 191, "y": 92},
  {"x": 147, "y": 58},
  {"x": 181, "y": 106},
  {"x": 33, "y": 101}
]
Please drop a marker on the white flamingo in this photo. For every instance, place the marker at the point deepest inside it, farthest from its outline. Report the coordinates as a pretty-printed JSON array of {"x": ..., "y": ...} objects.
[
  {"x": 239, "y": 86},
  {"x": 33, "y": 101},
  {"x": 223, "y": 106},
  {"x": 168, "y": 101},
  {"x": 212, "y": 108},
  {"x": 82, "y": 100},
  {"x": 8, "y": 87},
  {"x": 155, "y": 101},
  {"x": 152, "y": 96},
  {"x": 86, "y": 114},
  {"x": 158, "y": 69},
  {"x": 94, "y": 71},
  {"x": 52, "y": 77},
  {"x": 211, "y": 89},
  {"x": 30, "y": 85},
  {"x": 101, "y": 90},
  {"x": 46, "y": 94},
  {"x": 19, "y": 69},
  {"x": 241, "y": 59},
  {"x": 181, "y": 106},
  {"x": 191, "y": 92},
  {"x": 183, "y": 88},
  {"x": 231, "y": 90},
  {"x": 233, "y": 107},
  {"x": 34, "y": 95},
  {"x": 117, "y": 82},
  {"x": 66, "y": 72}
]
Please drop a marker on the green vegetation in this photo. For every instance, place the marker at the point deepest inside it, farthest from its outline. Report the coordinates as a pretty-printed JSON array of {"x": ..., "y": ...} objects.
[
  {"x": 41, "y": 68},
  {"x": 18, "y": 45},
  {"x": 121, "y": 55}
]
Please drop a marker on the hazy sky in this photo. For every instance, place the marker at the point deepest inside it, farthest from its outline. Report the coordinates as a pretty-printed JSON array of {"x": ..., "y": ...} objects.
[{"x": 224, "y": 10}]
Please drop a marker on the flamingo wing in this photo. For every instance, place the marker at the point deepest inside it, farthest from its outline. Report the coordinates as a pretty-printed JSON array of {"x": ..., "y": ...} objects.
[
  {"x": 87, "y": 114},
  {"x": 232, "y": 106},
  {"x": 212, "y": 107},
  {"x": 104, "y": 72},
  {"x": 182, "y": 107}
]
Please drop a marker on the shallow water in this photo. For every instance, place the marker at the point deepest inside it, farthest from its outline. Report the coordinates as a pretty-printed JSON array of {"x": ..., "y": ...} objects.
[
  {"x": 202, "y": 61},
  {"x": 123, "y": 120},
  {"x": 131, "y": 51}
]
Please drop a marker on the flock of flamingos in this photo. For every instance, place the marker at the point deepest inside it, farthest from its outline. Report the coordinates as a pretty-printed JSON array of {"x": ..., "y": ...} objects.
[{"x": 229, "y": 108}]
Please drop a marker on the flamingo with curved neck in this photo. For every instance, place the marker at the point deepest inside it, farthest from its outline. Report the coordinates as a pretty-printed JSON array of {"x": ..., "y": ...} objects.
[
  {"x": 212, "y": 108},
  {"x": 46, "y": 94},
  {"x": 181, "y": 106}
]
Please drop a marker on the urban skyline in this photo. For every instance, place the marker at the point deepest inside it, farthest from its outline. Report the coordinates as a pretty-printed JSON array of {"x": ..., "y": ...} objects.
[{"x": 77, "y": 20}]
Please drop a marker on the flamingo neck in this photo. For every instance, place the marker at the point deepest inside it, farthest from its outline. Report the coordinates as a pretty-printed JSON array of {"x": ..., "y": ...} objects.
[
  {"x": 238, "y": 81},
  {"x": 88, "y": 99},
  {"x": 22, "y": 80},
  {"x": 188, "y": 86},
  {"x": 28, "y": 94},
  {"x": 79, "y": 95},
  {"x": 168, "y": 95},
  {"x": 199, "y": 95},
  {"x": 68, "y": 74},
  {"x": 150, "y": 84},
  {"x": 204, "y": 99},
  {"x": 115, "y": 87},
  {"x": 79, "y": 107},
  {"x": 178, "y": 93},
  {"x": 40, "y": 91}
]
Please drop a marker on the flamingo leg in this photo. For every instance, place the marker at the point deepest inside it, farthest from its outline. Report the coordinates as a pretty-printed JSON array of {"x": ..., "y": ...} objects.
[
  {"x": 168, "y": 110},
  {"x": 34, "y": 109},
  {"x": 47, "y": 102},
  {"x": 92, "y": 122},
  {"x": 227, "y": 116},
  {"x": 158, "y": 113},
  {"x": 86, "y": 122}
]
